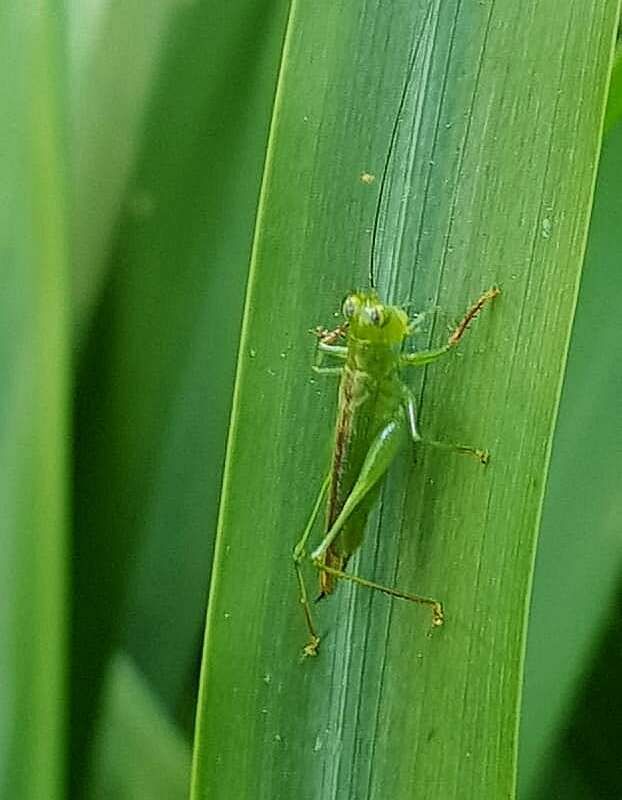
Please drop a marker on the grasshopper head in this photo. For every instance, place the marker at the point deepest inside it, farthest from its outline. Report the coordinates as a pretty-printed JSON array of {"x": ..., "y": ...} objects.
[{"x": 372, "y": 321}]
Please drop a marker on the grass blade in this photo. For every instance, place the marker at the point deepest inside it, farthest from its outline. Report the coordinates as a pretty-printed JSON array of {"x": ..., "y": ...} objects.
[
  {"x": 155, "y": 379},
  {"x": 579, "y": 559},
  {"x": 112, "y": 69},
  {"x": 139, "y": 753},
  {"x": 33, "y": 401},
  {"x": 491, "y": 183},
  {"x": 614, "y": 102}
]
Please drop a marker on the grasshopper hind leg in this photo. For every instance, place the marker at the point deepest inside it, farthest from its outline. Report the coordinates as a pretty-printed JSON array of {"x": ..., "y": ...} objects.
[{"x": 378, "y": 459}]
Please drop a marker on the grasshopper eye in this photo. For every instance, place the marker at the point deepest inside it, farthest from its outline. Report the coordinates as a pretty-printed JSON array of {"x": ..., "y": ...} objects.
[
  {"x": 350, "y": 306},
  {"x": 376, "y": 315}
]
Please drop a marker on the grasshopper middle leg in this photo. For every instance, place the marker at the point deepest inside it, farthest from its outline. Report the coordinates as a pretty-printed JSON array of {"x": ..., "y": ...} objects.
[{"x": 483, "y": 456}]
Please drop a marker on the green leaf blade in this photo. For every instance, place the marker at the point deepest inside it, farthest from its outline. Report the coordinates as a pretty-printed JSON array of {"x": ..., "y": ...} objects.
[
  {"x": 155, "y": 375},
  {"x": 483, "y": 189},
  {"x": 34, "y": 388}
]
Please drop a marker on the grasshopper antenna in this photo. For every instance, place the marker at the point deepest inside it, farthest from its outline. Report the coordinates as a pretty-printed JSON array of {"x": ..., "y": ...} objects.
[{"x": 385, "y": 168}]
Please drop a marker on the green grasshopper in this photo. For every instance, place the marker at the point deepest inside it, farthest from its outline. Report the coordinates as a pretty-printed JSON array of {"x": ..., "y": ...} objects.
[{"x": 376, "y": 416}]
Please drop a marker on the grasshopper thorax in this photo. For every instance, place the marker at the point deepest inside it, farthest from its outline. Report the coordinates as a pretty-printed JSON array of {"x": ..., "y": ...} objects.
[{"x": 369, "y": 320}]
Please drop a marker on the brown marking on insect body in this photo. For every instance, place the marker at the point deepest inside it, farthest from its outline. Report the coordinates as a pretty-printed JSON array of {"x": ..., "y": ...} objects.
[
  {"x": 342, "y": 438},
  {"x": 327, "y": 581},
  {"x": 335, "y": 502},
  {"x": 471, "y": 314}
]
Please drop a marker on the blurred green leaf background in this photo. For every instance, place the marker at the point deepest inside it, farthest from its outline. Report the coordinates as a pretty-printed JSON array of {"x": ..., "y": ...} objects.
[{"x": 134, "y": 138}]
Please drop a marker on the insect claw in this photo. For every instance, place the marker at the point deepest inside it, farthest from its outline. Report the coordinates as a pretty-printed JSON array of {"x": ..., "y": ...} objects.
[
  {"x": 311, "y": 648},
  {"x": 484, "y": 456}
]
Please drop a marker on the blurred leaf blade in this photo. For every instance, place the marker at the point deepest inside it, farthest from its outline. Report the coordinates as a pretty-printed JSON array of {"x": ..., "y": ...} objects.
[
  {"x": 579, "y": 558},
  {"x": 156, "y": 369},
  {"x": 139, "y": 753},
  {"x": 112, "y": 69},
  {"x": 212, "y": 253},
  {"x": 614, "y": 102},
  {"x": 34, "y": 400},
  {"x": 478, "y": 179}
]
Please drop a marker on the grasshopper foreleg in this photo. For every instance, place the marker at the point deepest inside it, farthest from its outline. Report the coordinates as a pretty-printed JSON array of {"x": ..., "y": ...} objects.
[
  {"x": 326, "y": 370},
  {"x": 328, "y": 337},
  {"x": 334, "y": 350}
]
